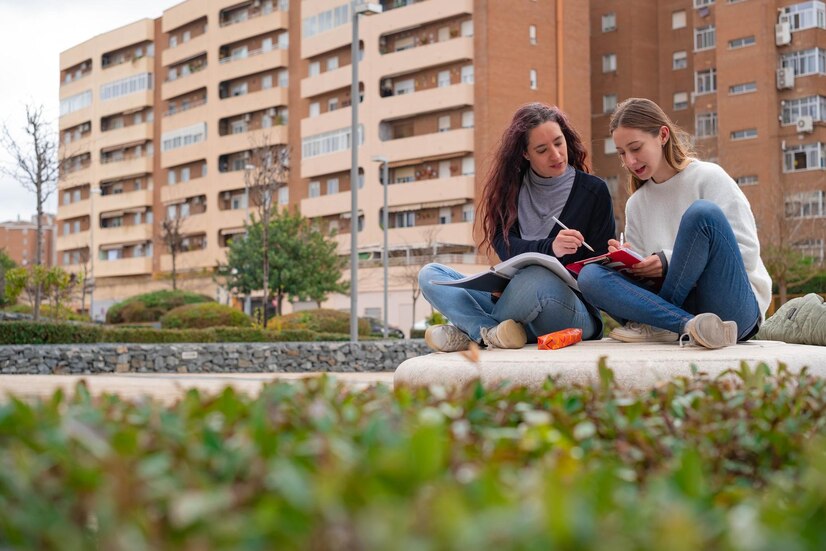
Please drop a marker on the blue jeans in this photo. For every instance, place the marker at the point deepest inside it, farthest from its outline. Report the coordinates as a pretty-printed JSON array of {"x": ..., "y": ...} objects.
[
  {"x": 534, "y": 297},
  {"x": 705, "y": 274}
]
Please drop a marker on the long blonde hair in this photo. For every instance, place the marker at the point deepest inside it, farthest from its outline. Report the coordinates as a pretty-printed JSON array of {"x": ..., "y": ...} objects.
[{"x": 643, "y": 114}]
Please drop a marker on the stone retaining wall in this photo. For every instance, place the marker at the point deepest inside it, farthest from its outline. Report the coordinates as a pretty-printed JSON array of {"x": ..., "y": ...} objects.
[{"x": 208, "y": 357}]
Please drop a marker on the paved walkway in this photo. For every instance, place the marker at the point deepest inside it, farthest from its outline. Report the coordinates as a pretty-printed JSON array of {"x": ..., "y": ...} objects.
[{"x": 167, "y": 387}]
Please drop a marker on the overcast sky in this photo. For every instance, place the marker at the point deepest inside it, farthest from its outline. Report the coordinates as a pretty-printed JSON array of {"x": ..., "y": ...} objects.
[{"x": 33, "y": 35}]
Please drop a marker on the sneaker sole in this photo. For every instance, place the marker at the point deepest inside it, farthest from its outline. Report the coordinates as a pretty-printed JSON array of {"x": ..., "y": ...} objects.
[
  {"x": 511, "y": 334},
  {"x": 673, "y": 337},
  {"x": 711, "y": 332},
  {"x": 430, "y": 337}
]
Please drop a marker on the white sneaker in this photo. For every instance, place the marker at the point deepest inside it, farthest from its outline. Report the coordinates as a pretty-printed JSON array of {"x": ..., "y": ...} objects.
[
  {"x": 446, "y": 338},
  {"x": 710, "y": 331},
  {"x": 634, "y": 331},
  {"x": 508, "y": 334}
]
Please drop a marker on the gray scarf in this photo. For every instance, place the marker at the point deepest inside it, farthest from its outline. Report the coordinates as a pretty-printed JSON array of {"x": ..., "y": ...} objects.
[{"x": 540, "y": 199}]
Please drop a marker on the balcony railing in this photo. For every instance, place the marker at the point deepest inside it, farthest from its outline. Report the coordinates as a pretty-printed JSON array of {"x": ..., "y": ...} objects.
[
  {"x": 250, "y": 53},
  {"x": 190, "y": 105}
]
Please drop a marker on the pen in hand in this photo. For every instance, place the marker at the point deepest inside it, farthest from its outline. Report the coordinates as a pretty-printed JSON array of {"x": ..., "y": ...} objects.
[
  {"x": 622, "y": 239},
  {"x": 564, "y": 227}
]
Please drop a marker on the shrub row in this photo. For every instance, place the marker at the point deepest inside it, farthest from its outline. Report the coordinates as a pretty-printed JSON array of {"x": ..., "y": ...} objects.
[
  {"x": 735, "y": 463},
  {"x": 320, "y": 320},
  {"x": 203, "y": 315},
  {"x": 28, "y": 332},
  {"x": 151, "y": 306}
]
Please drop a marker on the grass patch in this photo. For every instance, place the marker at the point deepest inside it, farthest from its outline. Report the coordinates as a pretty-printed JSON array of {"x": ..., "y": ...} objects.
[{"x": 730, "y": 463}]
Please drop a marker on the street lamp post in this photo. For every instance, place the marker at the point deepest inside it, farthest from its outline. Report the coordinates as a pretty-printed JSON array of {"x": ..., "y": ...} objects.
[
  {"x": 360, "y": 7},
  {"x": 92, "y": 220},
  {"x": 385, "y": 181}
]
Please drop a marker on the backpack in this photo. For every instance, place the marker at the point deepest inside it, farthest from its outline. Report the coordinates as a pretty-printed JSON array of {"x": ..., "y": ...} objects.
[{"x": 802, "y": 320}]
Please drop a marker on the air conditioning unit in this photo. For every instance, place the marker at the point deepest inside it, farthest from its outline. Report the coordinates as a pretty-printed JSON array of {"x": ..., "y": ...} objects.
[
  {"x": 783, "y": 31},
  {"x": 785, "y": 78},
  {"x": 805, "y": 124}
]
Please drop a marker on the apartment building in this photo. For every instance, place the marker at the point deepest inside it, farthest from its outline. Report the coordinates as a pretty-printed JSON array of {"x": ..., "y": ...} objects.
[
  {"x": 159, "y": 118},
  {"x": 18, "y": 239},
  {"x": 746, "y": 78}
]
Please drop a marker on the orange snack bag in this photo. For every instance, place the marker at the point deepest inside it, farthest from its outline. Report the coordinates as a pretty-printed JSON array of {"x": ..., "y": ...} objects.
[{"x": 559, "y": 339}]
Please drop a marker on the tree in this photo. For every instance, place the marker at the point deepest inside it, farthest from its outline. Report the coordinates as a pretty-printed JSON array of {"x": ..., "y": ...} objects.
[
  {"x": 6, "y": 264},
  {"x": 302, "y": 263},
  {"x": 265, "y": 173},
  {"x": 36, "y": 167},
  {"x": 785, "y": 262},
  {"x": 173, "y": 240}
]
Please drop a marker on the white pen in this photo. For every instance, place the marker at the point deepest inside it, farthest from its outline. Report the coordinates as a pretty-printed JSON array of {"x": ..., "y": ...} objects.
[
  {"x": 622, "y": 239},
  {"x": 564, "y": 227}
]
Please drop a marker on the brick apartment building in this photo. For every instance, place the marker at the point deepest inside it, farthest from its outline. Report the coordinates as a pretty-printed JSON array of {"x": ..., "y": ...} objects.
[
  {"x": 159, "y": 117},
  {"x": 18, "y": 239}
]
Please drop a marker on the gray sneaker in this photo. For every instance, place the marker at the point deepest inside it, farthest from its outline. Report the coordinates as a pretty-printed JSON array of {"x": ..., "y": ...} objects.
[
  {"x": 508, "y": 334},
  {"x": 710, "y": 331},
  {"x": 641, "y": 332},
  {"x": 446, "y": 338}
]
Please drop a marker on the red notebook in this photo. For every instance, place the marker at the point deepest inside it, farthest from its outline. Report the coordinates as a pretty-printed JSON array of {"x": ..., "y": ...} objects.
[{"x": 621, "y": 261}]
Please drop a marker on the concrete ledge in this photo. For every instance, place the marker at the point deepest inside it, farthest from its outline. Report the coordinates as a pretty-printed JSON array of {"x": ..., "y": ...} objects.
[{"x": 637, "y": 366}]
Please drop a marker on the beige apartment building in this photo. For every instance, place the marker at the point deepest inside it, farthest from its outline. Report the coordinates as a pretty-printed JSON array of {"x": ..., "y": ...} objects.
[
  {"x": 746, "y": 78},
  {"x": 159, "y": 117}
]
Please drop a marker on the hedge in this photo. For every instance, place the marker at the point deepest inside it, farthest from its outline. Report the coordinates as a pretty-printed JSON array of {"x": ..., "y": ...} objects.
[
  {"x": 203, "y": 315},
  {"x": 737, "y": 463},
  {"x": 151, "y": 306},
  {"x": 28, "y": 332},
  {"x": 321, "y": 320}
]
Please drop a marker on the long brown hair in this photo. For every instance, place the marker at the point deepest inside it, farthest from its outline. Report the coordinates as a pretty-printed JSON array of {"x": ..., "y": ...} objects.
[
  {"x": 643, "y": 114},
  {"x": 501, "y": 188}
]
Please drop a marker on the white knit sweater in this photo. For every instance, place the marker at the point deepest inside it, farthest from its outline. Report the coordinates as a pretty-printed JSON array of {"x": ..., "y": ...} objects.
[{"x": 654, "y": 211}]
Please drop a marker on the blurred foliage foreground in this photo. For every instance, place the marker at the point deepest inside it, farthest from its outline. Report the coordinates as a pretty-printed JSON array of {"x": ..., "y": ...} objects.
[{"x": 738, "y": 462}]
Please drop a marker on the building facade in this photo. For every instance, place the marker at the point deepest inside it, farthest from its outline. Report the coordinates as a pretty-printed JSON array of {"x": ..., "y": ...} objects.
[
  {"x": 747, "y": 80},
  {"x": 18, "y": 239},
  {"x": 159, "y": 118}
]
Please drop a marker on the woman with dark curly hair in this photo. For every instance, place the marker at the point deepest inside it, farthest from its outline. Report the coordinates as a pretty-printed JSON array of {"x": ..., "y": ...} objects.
[{"x": 539, "y": 172}]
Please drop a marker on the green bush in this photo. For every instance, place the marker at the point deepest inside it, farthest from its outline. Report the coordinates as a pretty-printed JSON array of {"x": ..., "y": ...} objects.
[
  {"x": 47, "y": 311},
  {"x": 730, "y": 464},
  {"x": 320, "y": 320},
  {"x": 151, "y": 306},
  {"x": 45, "y": 332},
  {"x": 203, "y": 315}
]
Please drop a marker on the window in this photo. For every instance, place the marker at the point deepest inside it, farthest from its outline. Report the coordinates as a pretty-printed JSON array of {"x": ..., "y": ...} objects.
[
  {"x": 705, "y": 38},
  {"x": 701, "y": 3},
  {"x": 679, "y": 60},
  {"x": 741, "y": 42},
  {"x": 332, "y": 104},
  {"x": 170, "y": 177},
  {"x": 705, "y": 125},
  {"x": 283, "y": 195},
  {"x": 405, "y": 219},
  {"x": 326, "y": 20},
  {"x": 332, "y": 63},
  {"x": 532, "y": 78},
  {"x": 467, "y": 74},
  {"x": 315, "y": 109},
  {"x": 75, "y": 103},
  {"x": 125, "y": 86},
  {"x": 328, "y": 142},
  {"x": 314, "y": 189},
  {"x": 266, "y": 44},
  {"x": 443, "y": 79},
  {"x": 749, "y": 180},
  {"x": 185, "y": 174},
  {"x": 283, "y": 78},
  {"x": 314, "y": 68},
  {"x": 444, "y": 123},
  {"x": 405, "y": 43},
  {"x": 813, "y": 106},
  {"x": 532, "y": 34},
  {"x": 609, "y": 146},
  {"x": 332, "y": 186},
  {"x": 403, "y": 175},
  {"x": 812, "y": 248},
  {"x": 467, "y": 28},
  {"x": 238, "y": 127},
  {"x": 445, "y": 216},
  {"x": 811, "y": 204},
  {"x": 746, "y": 134},
  {"x": 266, "y": 82},
  {"x": 609, "y": 63},
  {"x": 680, "y": 101},
  {"x": 705, "y": 82},
  {"x": 806, "y": 62},
  {"x": 811, "y": 156},
  {"x": 609, "y": 103},
  {"x": 239, "y": 89},
  {"x": 467, "y": 119},
  {"x": 182, "y": 137},
  {"x": 468, "y": 166},
  {"x": 283, "y": 41},
  {"x": 467, "y": 213},
  {"x": 406, "y": 86},
  {"x": 678, "y": 19},
  {"x": 173, "y": 41},
  {"x": 806, "y": 15},
  {"x": 743, "y": 88},
  {"x": 609, "y": 22}
]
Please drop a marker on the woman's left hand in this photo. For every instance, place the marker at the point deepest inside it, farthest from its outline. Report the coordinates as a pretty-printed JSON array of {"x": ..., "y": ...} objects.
[{"x": 652, "y": 266}]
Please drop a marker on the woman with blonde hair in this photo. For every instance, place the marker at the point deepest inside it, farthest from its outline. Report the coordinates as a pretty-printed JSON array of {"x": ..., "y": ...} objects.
[
  {"x": 698, "y": 230},
  {"x": 539, "y": 172}
]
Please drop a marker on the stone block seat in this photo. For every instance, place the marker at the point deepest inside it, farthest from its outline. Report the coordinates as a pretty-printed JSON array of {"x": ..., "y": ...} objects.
[{"x": 635, "y": 366}]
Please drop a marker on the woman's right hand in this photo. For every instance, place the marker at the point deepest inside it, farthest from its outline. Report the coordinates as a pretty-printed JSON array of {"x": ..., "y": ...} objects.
[{"x": 614, "y": 245}]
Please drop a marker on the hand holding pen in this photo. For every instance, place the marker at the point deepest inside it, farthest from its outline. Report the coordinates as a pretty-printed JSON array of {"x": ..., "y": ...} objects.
[
  {"x": 614, "y": 245},
  {"x": 568, "y": 241}
]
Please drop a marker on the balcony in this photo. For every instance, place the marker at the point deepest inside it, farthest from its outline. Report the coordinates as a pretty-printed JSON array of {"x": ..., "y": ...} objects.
[
  {"x": 120, "y": 201},
  {"x": 228, "y": 219},
  {"x": 429, "y": 145},
  {"x": 73, "y": 241},
  {"x": 129, "y": 134},
  {"x": 419, "y": 13},
  {"x": 437, "y": 190},
  {"x": 123, "y": 267},
  {"x": 327, "y": 164},
  {"x": 459, "y": 233},
  {"x": 325, "y": 205},
  {"x": 329, "y": 40},
  {"x": 252, "y": 26},
  {"x": 421, "y": 57},
  {"x": 123, "y": 234},
  {"x": 245, "y": 140},
  {"x": 183, "y": 84},
  {"x": 247, "y": 103},
  {"x": 184, "y": 155},
  {"x": 129, "y": 167},
  {"x": 326, "y": 122},
  {"x": 426, "y": 101},
  {"x": 327, "y": 82},
  {"x": 254, "y": 62},
  {"x": 184, "y": 50},
  {"x": 194, "y": 260},
  {"x": 195, "y": 112},
  {"x": 73, "y": 210},
  {"x": 145, "y": 64},
  {"x": 129, "y": 102},
  {"x": 182, "y": 190}
]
